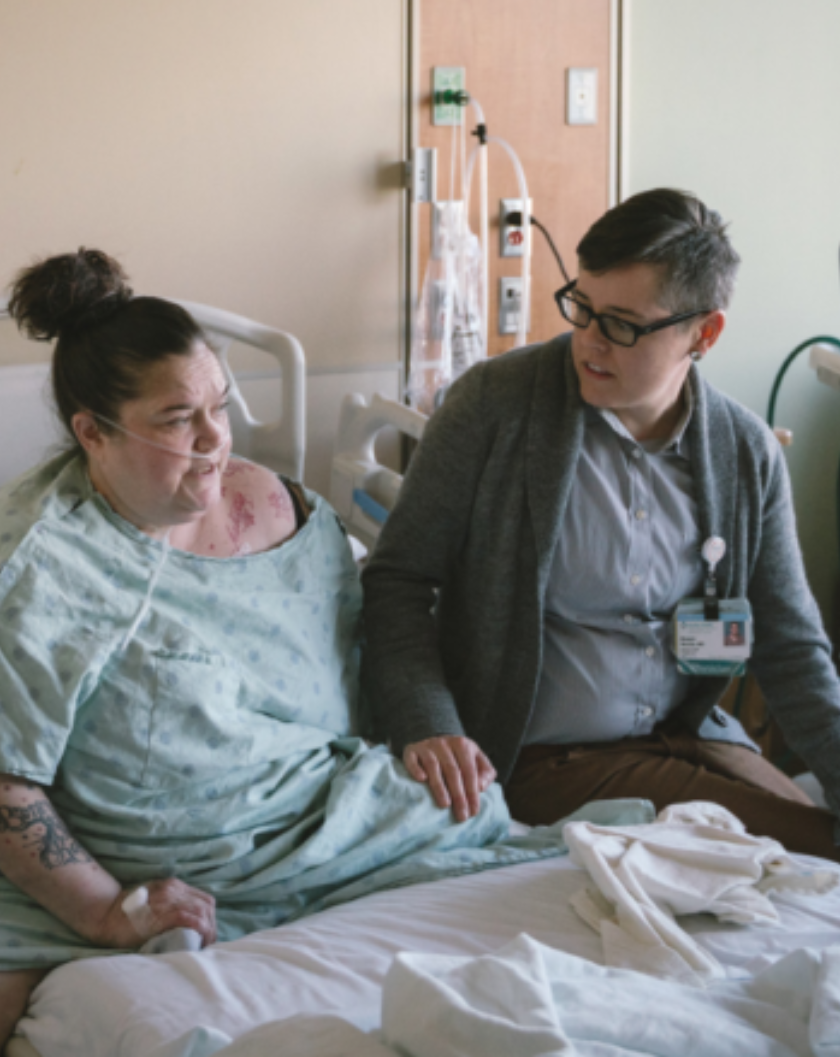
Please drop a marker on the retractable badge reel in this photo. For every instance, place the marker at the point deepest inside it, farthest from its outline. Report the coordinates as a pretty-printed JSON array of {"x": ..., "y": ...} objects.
[{"x": 713, "y": 636}]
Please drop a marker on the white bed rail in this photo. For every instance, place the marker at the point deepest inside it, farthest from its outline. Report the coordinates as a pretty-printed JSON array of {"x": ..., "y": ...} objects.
[{"x": 362, "y": 490}]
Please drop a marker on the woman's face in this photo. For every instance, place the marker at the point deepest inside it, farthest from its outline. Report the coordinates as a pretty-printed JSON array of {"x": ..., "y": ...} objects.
[
  {"x": 642, "y": 385},
  {"x": 182, "y": 407}
]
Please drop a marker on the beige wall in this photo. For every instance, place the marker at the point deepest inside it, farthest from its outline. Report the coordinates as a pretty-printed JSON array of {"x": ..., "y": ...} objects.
[
  {"x": 235, "y": 152},
  {"x": 739, "y": 101}
]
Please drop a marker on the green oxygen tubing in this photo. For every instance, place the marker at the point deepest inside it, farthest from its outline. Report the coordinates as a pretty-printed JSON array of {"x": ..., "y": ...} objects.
[
  {"x": 771, "y": 419},
  {"x": 774, "y": 392}
]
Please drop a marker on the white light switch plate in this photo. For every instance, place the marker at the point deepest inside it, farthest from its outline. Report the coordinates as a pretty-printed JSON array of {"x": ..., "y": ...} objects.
[{"x": 581, "y": 96}]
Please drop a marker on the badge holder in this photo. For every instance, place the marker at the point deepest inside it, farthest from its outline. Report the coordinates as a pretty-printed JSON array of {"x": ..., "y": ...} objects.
[{"x": 713, "y": 636}]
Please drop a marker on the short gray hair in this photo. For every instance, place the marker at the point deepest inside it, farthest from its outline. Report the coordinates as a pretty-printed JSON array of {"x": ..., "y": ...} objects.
[{"x": 674, "y": 232}]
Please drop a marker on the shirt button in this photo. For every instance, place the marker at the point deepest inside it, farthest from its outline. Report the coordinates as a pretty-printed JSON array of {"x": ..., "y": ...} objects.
[
  {"x": 650, "y": 651},
  {"x": 635, "y": 579},
  {"x": 647, "y": 711},
  {"x": 629, "y": 618},
  {"x": 641, "y": 515},
  {"x": 636, "y": 453}
]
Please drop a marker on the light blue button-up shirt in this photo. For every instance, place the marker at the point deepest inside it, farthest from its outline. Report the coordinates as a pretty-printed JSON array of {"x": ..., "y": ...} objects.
[{"x": 629, "y": 550}]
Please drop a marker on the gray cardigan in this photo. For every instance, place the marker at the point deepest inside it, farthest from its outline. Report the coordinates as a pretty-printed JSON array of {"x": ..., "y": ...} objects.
[{"x": 478, "y": 521}]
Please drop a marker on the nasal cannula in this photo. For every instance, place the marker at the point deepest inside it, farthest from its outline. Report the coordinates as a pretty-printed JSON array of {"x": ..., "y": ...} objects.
[{"x": 164, "y": 447}]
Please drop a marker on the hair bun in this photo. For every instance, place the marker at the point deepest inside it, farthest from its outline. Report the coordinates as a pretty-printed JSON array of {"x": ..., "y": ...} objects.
[{"x": 67, "y": 293}]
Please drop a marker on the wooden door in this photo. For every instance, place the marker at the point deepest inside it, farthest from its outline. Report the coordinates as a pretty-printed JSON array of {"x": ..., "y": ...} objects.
[{"x": 516, "y": 54}]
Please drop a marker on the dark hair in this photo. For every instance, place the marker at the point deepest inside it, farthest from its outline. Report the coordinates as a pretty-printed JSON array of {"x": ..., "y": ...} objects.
[
  {"x": 675, "y": 232},
  {"x": 106, "y": 337}
]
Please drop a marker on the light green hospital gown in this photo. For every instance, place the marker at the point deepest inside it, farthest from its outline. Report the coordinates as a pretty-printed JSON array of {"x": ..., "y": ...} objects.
[{"x": 214, "y": 743}]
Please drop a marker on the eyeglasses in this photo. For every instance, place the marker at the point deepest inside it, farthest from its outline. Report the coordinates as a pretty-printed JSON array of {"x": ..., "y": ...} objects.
[{"x": 619, "y": 331}]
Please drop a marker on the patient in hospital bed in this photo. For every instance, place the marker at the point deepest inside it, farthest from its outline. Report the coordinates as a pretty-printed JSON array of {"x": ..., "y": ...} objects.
[{"x": 178, "y": 662}]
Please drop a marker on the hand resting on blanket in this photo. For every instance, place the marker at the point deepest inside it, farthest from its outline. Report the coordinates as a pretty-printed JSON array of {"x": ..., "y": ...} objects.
[{"x": 457, "y": 771}]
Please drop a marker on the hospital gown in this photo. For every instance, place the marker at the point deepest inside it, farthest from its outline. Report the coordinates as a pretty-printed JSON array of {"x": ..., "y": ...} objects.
[{"x": 215, "y": 742}]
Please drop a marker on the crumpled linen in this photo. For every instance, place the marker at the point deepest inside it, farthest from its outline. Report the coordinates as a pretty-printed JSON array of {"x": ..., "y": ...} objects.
[
  {"x": 528, "y": 1000},
  {"x": 694, "y": 858}
]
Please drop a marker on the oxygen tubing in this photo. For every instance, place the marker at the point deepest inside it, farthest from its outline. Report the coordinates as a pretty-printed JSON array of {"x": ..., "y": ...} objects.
[
  {"x": 522, "y": 183},
  {"x": 774, "y": 392},
  {"x": 483, "y": 230}
]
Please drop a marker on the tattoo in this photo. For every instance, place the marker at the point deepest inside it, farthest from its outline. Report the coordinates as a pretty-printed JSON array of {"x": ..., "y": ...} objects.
[
  {"x": 241, "y": 518},
  {"x": 44, "y": 834}
]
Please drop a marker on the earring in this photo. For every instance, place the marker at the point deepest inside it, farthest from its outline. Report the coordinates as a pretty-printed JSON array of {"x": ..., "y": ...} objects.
[{"x": 696, "y": 356}]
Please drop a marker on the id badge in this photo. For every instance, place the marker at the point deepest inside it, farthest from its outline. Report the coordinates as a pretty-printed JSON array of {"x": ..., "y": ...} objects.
[{"x": 713, "y": 647}]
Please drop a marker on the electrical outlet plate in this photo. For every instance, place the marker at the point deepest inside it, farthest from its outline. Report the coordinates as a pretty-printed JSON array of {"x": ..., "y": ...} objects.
[
  {"x": 447, "y": 78},
  {"x": 581, "y": 96},
  {"x": 510, "y": 304},
  {"x": 512, "y": 238}
]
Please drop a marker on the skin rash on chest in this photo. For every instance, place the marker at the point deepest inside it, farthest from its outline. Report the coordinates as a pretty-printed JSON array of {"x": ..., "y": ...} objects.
[{"x": 249, "y": 517}]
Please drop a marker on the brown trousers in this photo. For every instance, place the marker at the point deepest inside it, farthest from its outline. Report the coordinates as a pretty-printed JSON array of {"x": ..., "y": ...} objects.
[{"x": 670, "y": 767}]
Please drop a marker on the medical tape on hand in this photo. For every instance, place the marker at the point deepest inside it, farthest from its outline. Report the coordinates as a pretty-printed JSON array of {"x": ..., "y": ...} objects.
[
  {"x": 135, "y": 906},
  {"x": 164, "y": 447}
]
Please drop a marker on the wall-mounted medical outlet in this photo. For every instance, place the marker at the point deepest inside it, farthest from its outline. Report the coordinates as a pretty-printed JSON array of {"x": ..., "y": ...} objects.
[
  {"x": 510, "y": 304},
  {"x": 444, "y": 212},
  {"x": 424, "y": 175},
  {"x": 512, "y": 236},
  {"x": 581, "y": 96},
  {"x": 448, "y": 82},
  {"x": 825, "y": 360}
]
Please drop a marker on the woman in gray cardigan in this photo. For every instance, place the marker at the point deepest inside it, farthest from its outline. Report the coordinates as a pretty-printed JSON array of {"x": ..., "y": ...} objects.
[{"x": 519, "y": 601}]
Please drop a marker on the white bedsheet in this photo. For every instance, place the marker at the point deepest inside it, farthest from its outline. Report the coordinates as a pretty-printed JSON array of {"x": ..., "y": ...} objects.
[
  {"x": 334, "y": 964},
  {"x": 528, "y": 999}
]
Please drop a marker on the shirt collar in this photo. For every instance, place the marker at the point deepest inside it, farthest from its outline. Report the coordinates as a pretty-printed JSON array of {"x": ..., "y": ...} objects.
[{"x": 676, "y": 442}]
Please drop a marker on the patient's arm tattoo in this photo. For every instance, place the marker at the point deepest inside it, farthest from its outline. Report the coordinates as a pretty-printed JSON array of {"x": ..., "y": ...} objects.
[{"x": 44, "y": 834}]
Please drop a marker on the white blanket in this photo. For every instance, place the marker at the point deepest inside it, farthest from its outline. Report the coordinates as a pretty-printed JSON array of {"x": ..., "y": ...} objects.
[
  {"x": 695, "y": 858},
  {"x": 528, "y": 1000},
  {"x": 333, "y": 965}
]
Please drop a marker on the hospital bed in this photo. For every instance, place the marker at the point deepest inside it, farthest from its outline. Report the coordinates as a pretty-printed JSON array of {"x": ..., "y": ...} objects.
[{"x": 322, "y": 985}]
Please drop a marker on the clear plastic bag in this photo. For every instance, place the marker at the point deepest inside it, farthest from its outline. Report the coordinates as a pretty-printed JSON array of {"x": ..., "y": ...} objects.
[{"x": 448, "y": 333}]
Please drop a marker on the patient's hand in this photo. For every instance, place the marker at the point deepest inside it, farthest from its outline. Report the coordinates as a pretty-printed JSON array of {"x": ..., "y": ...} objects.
[
  {"x": 171, "y": 905},
  {"x": 456, "y": 769}
]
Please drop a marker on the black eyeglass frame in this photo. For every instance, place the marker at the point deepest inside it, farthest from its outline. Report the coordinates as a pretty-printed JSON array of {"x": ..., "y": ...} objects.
[{"x": 638, "y": 332}]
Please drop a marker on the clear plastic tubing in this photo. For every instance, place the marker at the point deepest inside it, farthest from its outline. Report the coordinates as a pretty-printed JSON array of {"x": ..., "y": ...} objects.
[
  {"x": 483, "y": 233},
  {"x": 209, "y": 455},
  {"x": 522, "y": 333}
]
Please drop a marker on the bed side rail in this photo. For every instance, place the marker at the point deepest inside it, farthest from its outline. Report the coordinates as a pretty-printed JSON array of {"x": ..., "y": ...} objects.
[{"x": 362, "y": 490}]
